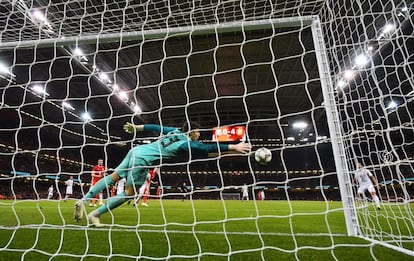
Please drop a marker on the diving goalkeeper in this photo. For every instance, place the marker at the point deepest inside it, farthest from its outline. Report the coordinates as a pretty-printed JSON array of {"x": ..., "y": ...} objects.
[{"x": 172, "y": 145}]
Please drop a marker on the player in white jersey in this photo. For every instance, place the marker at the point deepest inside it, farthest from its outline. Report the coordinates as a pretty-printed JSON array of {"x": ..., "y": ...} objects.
[
  {"x": 366, "y": 181},
  {"x": 245, "y": 192},
  {"x": 69, "y": 187},
  {"x": 50, "y": 192},
  {"x": 120, "y": 187}
]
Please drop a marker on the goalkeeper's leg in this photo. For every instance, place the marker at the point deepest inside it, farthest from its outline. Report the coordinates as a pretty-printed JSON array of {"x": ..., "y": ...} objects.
[
  {"x": 101, "y": 185},
  {"x": 112, "y": 203}
]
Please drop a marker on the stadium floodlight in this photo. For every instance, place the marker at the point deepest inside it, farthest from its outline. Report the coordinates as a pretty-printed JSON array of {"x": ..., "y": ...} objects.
[
  {"x": 123, "y": 95},
  {"x": 388, "y": 28},
  {"x": 39, "y": 90},
  {"x": 104, "y": 77},
  {"x": 40, "y": 18},
  {"x": 4, "y": 69},
  {"x": 341, "y": 84},
  {"x": 39, "y": 15},
  {"x": 404, "y": 9},
  {"x": 77, "y": 51},
  {"x": 349, "y": 74},
  {"x": 299, "y": 125},
  {"x": 136, "y": 108},
  {"x": 86, "y": 116},
  {"x": 67, "y": 105},
  {"x": 361, "y": 60},
  {"x": 392, "y": 105}
]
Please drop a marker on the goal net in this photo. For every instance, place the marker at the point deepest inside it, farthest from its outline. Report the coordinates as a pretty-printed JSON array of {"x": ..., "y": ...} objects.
[{"x": 323, "y": 84}]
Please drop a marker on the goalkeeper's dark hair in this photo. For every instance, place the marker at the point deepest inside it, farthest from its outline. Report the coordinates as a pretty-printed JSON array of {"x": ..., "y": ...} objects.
[{"x": 189, "y": 126}]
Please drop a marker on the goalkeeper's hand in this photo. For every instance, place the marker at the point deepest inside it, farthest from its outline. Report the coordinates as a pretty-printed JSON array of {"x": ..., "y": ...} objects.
[
  {"x": 129, "y": 128},
  {"x": 241, "y": 147}
]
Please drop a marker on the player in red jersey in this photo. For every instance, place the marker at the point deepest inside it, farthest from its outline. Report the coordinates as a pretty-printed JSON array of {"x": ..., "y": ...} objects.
[
  {"x": 150, "y": 180},
  {"x": 159, "y": 191},
  {"x": 97, "y": 174}
]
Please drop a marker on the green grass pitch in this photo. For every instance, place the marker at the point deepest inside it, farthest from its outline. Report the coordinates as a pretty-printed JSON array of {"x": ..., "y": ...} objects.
[{"x": 189, "y": 230}]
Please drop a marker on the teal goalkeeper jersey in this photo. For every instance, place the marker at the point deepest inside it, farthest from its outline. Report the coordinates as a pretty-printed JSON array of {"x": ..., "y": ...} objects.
[{"x": 172, "y": 146}]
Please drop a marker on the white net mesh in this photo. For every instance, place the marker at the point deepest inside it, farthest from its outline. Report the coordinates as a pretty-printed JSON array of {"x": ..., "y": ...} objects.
[
  {"x": 372, "y": 71},
  {"x": 73, "y": 72}
]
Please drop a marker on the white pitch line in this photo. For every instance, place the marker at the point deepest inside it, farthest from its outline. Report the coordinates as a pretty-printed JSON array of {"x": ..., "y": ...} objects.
[{"x": 108, "y": 228}]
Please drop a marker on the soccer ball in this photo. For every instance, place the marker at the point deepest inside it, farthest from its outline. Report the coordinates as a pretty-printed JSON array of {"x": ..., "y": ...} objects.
[{"x": 263, "y": 156}]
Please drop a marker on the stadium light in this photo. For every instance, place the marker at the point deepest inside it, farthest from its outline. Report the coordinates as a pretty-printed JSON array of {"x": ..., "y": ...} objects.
[
  {"x": 341, "y": 84},
  {"x": 115, "y": 87},
  {"x": 77, "y": 51},
  {"x": 136, "y": 108},
  {"x": 392, "y": 105},
  {"x": 388, "y": 28},
  {"x": 39, "y": 15},
  {"x": 39, "y": 18},
  {"x": 349, "y": 74},
  {"x": 104, "y": 77},
  {"x": 39, "y": 90},
  {"x": 67, "y": 105},
  {"x": 4, "y": 69},
  {"x": 299, "y": 125},
  {"x": 86, "y": 116},
  {"x": 404, "y": 9},
  {"x": 361, "y": 60},
  {"x": 123, "y": 95}
]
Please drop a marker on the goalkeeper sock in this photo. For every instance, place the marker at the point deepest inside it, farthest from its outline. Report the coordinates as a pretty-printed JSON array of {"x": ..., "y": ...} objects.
[
  {"x": 98, "y": 187},
  {"x": 113, "y": 203}
]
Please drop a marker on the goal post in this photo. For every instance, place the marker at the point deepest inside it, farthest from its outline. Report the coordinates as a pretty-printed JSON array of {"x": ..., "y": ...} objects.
[{"x": 335, "y": 132}]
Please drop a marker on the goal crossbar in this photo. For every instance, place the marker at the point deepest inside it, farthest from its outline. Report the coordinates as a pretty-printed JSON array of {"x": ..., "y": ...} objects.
[{"x": 162, "y": 33}]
